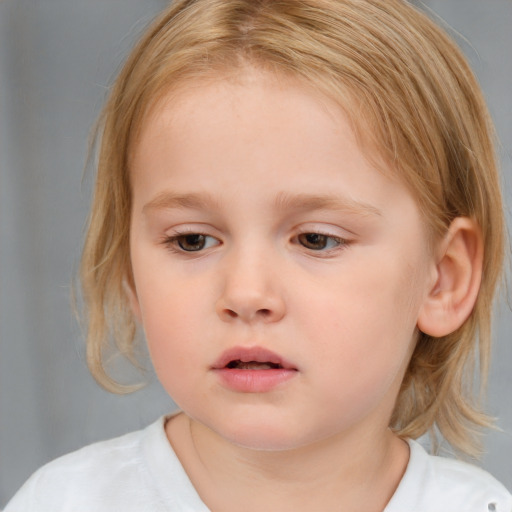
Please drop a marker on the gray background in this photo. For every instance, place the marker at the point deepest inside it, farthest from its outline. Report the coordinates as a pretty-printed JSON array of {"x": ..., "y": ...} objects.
[{"x": 57, "y": 58}]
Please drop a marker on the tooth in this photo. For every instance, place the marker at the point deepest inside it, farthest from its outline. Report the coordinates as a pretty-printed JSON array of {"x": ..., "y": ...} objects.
[{"x": 254, "y": 366}]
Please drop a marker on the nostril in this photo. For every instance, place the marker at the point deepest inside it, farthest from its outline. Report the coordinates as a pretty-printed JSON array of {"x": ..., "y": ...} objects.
[{"x": 248, "y": 310}]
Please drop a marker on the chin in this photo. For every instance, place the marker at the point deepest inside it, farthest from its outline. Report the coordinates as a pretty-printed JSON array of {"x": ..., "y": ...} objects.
[
  {"x": 263, "y": 435},
  {"x": 264, "y": 441}
]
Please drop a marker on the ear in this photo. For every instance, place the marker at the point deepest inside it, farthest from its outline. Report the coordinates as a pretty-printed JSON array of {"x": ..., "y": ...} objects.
[
  {"x": 131, "y": 293},
  {"x": 458, "y": 275}
]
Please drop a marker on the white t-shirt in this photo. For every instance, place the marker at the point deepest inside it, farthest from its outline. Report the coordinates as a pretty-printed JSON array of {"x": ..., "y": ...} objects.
[{"x": 140, "y": 472}]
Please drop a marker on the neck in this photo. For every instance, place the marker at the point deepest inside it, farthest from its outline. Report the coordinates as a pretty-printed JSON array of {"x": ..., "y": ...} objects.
[{"x": 338, "y": 473}]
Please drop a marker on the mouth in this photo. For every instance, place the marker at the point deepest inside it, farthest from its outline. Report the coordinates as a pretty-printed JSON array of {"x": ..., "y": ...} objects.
[
  {"x": 253, "y": 370},
  {"x": 251, "y": 358},
  {"x": 252, "y": 365}
]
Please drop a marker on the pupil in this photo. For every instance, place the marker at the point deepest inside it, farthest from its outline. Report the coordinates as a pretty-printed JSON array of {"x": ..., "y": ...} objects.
[
  {"x": 314, "y": 240},
  {"x": 194, "y": 242}
]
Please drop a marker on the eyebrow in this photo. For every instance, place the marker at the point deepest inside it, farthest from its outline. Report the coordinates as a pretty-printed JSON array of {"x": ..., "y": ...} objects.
[
  {"x": 283, "y": 201},
  {"x": 305, "y": 202},
  {"x": 170, "y": 200}
]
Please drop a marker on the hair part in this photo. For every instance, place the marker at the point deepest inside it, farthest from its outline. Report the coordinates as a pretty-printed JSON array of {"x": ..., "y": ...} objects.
[{"x": 413, "y": 101}]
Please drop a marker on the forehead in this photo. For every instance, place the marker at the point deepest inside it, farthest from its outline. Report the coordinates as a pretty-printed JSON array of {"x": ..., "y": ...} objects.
[
  {"x": 251, "y": 127},
  {"x": 256, "y": 95}
]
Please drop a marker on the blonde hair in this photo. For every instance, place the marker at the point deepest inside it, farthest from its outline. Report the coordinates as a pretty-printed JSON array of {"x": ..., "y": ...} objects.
[{"x": 402, "y": 79}]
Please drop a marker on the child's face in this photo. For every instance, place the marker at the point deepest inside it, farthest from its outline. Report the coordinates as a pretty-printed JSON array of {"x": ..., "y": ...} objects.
[{"x": 261, "y": 232}]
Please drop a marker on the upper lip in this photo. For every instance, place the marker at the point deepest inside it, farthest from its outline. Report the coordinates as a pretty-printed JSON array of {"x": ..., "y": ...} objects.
[{"x": 248, "y": 354}]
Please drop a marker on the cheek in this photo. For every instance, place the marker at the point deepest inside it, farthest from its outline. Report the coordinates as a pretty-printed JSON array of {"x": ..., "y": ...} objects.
[
  {"x": 170, "y": 311},
  {"x": 165, "y": 298},
  {"x": 174, "y": 350},
  {"x": 364, "y": 323},
  {"x": 365, "y": 300}
]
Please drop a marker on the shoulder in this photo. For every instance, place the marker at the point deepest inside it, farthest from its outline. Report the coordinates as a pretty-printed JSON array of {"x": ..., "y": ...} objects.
[
  {"x": 88, "y": 477},
  {"x": 440, "y": 484}
]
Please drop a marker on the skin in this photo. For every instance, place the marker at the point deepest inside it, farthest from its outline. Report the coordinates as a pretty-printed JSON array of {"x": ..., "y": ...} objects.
[{"x": 345, "y": 315}]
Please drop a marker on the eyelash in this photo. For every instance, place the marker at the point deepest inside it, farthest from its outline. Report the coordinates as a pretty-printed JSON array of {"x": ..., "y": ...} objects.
[
  {"x": 340, "y": 243},
  {"x": 172, "y": 242}
]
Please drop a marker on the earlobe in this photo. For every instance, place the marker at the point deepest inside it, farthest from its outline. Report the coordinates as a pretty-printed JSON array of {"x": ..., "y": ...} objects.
[{"x": 451, "y": 299}]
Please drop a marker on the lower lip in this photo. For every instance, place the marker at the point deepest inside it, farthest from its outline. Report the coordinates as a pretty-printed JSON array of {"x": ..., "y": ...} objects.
[{"x": 254, "y": 381}]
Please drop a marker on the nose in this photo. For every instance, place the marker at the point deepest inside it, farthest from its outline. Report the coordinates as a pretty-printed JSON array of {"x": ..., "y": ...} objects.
[{"x": 251, "y": 292}]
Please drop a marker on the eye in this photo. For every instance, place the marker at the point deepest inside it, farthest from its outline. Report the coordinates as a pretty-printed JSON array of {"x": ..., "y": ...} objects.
[
  {"x": 191, "y": 242},
  {"x": 318, "y": 241}
]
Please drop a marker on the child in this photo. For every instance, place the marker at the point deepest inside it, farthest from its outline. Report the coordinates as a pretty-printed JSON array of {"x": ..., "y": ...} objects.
[{"x": 298, "y": 202}]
